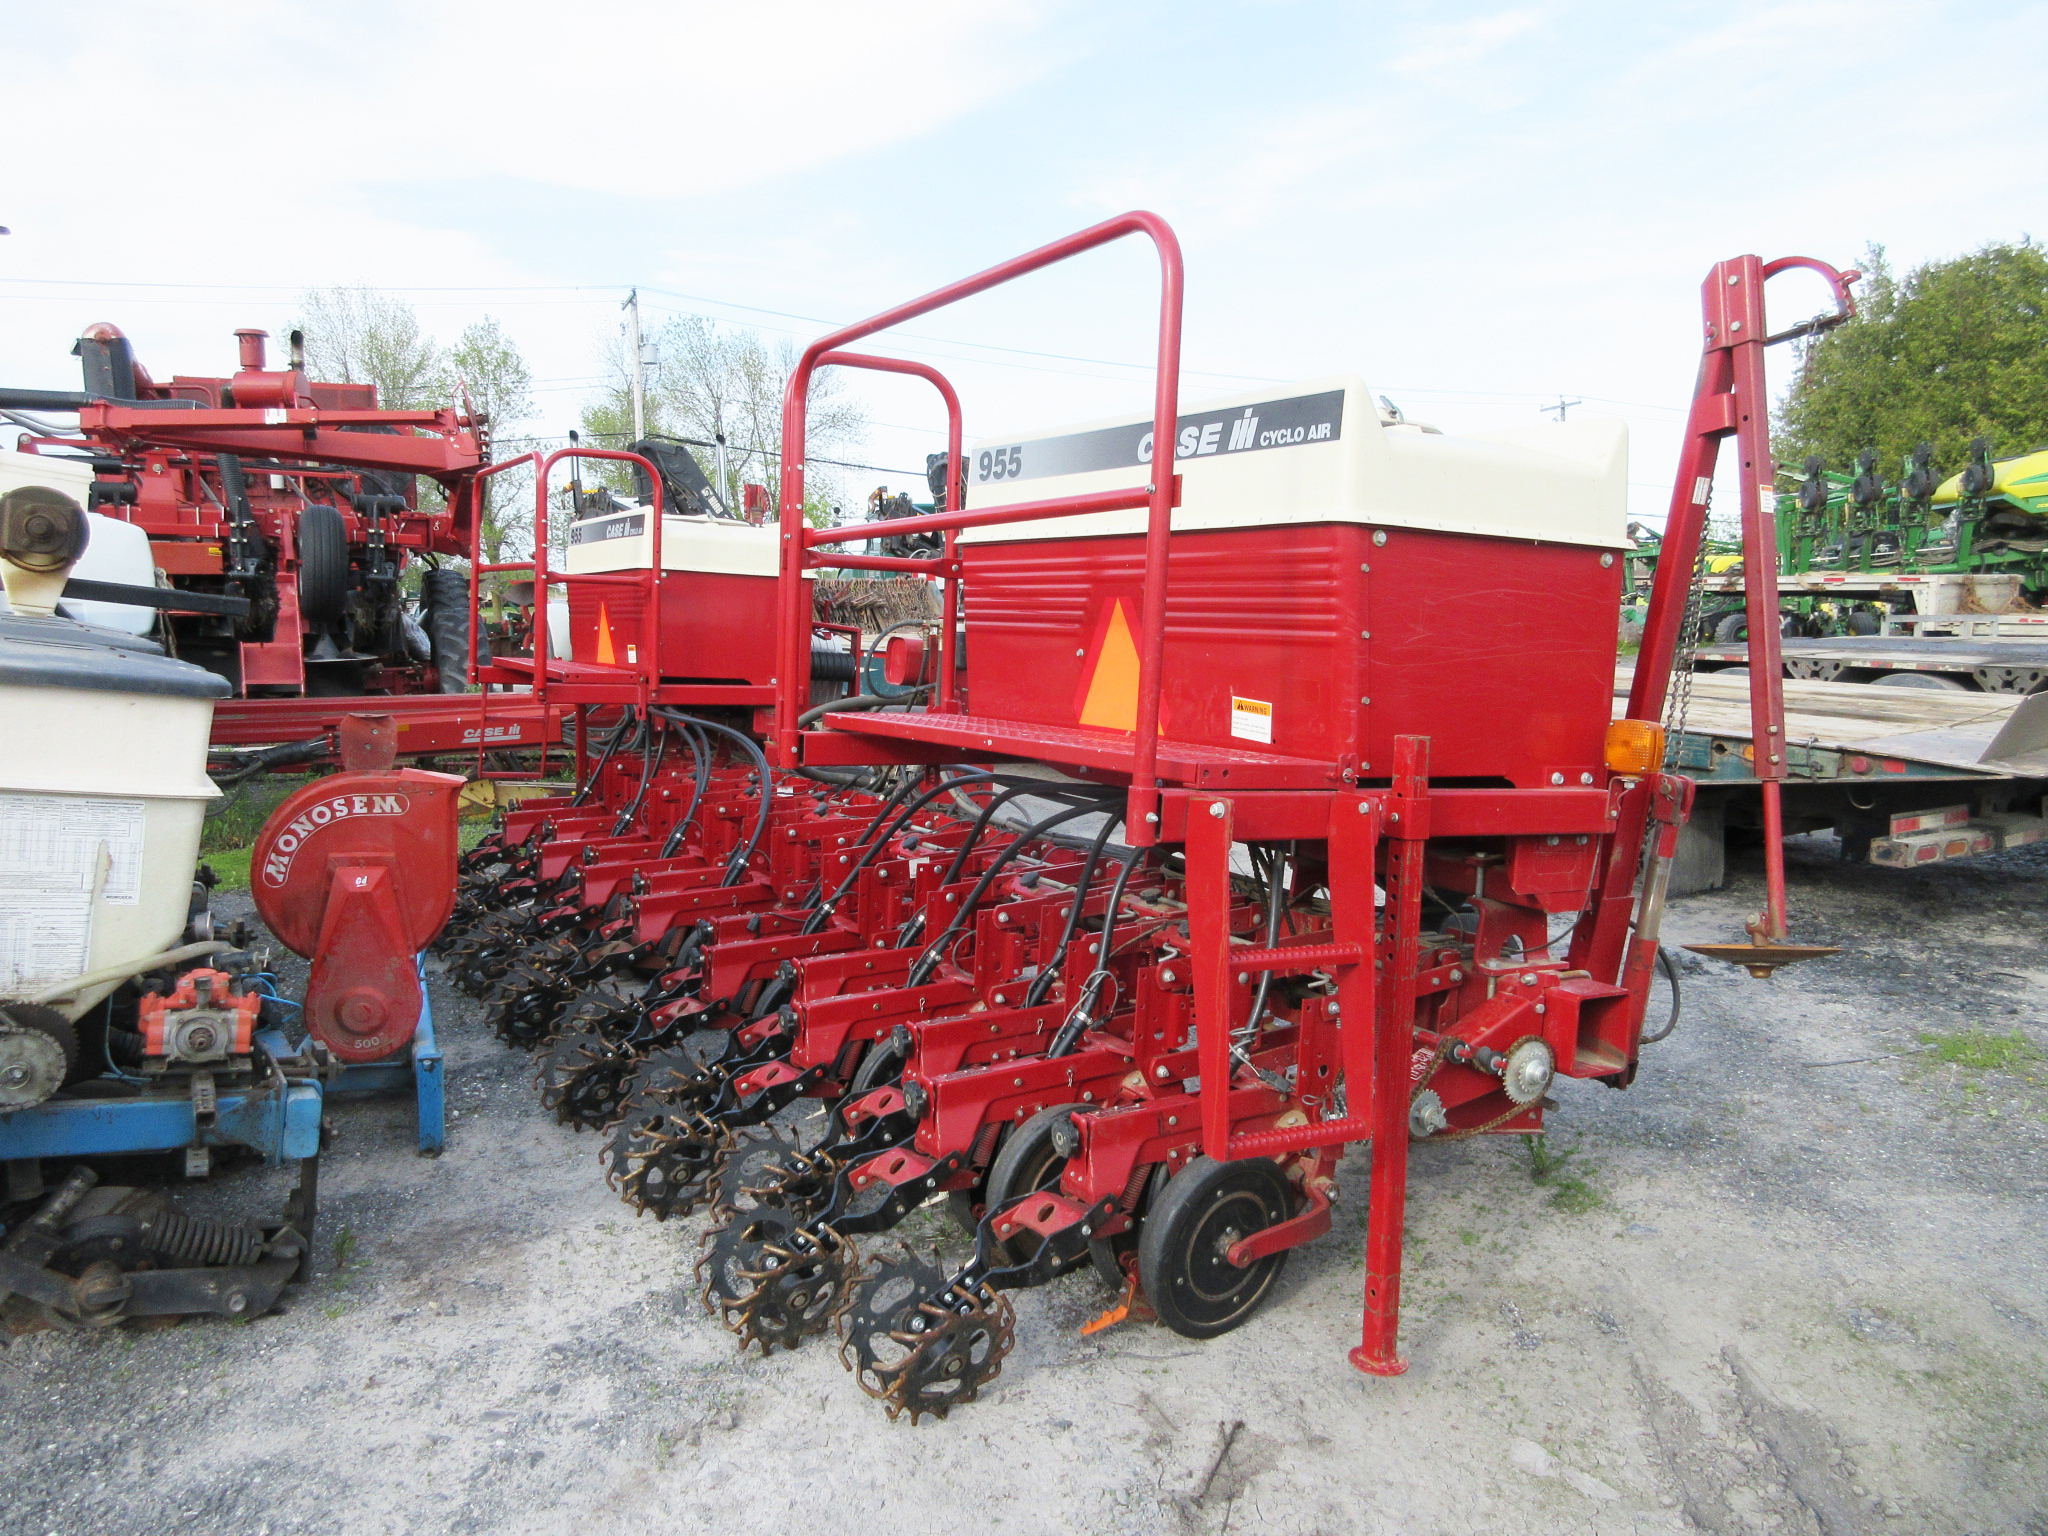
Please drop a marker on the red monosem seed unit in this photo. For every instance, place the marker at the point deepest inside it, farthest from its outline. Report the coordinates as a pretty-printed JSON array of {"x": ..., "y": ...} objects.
[{"x": 1338, "y": 577}]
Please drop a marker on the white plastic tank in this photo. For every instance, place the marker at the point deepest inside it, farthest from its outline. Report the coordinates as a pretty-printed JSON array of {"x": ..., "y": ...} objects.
[
  {"x": 116, "y": 550},
  {"x": 103, "y": 782}
]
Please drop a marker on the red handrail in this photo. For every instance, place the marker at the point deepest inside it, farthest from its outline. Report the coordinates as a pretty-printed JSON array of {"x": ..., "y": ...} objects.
[
  {"x": 949, "y": 604},
  {"x": 1157, "y": 496},
  {"x": 650, "y": 666},
  {"x": 477, "y": 568}
]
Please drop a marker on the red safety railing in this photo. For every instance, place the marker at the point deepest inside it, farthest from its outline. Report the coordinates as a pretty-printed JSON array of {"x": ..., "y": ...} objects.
[
  {"x": 478, "y": 569},
  {"x": 799, "y": 541},
  {"x": 641, "y": 676}
]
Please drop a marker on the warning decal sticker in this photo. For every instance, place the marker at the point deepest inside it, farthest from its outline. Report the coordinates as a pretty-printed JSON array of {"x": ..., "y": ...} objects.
[
  {"x": 1251, "y": 719},
  {"x": 56, "y": 853}
]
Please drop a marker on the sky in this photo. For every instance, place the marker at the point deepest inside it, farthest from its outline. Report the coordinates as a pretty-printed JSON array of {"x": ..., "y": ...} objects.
[{"x": 1478, "y": 208}]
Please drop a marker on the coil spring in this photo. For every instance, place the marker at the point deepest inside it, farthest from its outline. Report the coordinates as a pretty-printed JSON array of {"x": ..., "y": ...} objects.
[{"x": 205, "y": 1240}]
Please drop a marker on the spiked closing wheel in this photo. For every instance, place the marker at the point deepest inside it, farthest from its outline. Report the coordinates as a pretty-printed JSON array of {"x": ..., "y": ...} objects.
[
  {"x": 774, "y": 1282},
  {"x": 920, "y": 1346}
]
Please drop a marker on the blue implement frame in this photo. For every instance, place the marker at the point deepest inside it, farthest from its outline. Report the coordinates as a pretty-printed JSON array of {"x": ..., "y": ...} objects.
[
  {"x": 417, "y": 1068},
  {"x": 280, "y": 1119}
]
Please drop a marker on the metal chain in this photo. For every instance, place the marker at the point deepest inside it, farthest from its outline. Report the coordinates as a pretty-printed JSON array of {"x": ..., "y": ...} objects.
[
  {"x": 1443, "y": 1051},
  {"x": 1678, "y": 701}
]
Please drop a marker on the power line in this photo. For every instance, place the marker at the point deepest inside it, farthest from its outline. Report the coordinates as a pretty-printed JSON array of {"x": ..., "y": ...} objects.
[
  {"x": 608, "y": 290},
  {"x": 766, "y": 453}
]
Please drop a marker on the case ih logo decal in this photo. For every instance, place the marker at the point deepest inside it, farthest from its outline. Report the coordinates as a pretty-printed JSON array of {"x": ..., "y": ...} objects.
[
  {"x": 277, "y": 863},
  {"x": 613, "y": 525},
  {"x": 1241, "y": 429}
]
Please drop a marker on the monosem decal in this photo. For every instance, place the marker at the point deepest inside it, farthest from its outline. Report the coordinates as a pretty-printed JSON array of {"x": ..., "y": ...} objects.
[
  {"x": 1241, "y": 429},
  {"x": 277, "y": 863},
  {"x": 596, "y": 530}
]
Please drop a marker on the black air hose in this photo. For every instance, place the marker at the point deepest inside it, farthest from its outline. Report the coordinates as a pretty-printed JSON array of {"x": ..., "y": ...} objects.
[
  {"x": 922, "y": 968},
  {"x": 741, "y": 856}
]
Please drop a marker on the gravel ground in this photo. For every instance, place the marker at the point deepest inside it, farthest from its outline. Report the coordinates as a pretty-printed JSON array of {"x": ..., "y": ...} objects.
[{"x": 1758, "y": 1295}]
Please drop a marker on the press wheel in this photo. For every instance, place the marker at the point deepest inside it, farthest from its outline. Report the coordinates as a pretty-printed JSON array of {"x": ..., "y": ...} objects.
[
  {"x": 1029, "y": 1161},
  {"x": 1182, "y": 1262}
]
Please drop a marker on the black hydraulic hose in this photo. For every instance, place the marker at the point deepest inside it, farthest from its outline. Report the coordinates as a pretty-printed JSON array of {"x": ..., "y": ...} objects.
[
  {"x": 653, "y": 749},
  {"x": 858, "y": 701},
  {"x": 926, "y": 963},
  {"x": 1275, "y": 896},
  {"x": 1042, "y": 788},
  {"x": 1083, "y": 1015},
  {"x": 700, "y": 762},
  {"x": 896, "y": 797},
  {"x": 1670, "y": 969},
  {"x": 1042, "y": 982},
  {"x": 618, "y": 735},
  {"x": 741, "y": 856},
  {"x": 817, "y": 920},
  {"x": 981, "y": 823}
]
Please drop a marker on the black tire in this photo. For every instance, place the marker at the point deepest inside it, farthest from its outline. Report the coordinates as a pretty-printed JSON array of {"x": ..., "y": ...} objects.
[
  {"x": 1028, "y": 1161},
  {"x": 882, "y": 1065},
  {"x": 323, "y": 565},
  {"x": 1208, "y": 1205},
  {"x": 445, "y": 595},
  {"x": 1733, "y": 627},
  {"x": 1935, "y": 680},
  {"x": 1862, "y": 623},
  {"x": 1109, "y": 1254}
]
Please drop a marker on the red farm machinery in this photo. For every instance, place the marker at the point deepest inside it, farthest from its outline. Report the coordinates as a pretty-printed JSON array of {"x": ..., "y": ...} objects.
[
  {"x": 1209, "y": 838},
  {"x": 274, "y": 518}
]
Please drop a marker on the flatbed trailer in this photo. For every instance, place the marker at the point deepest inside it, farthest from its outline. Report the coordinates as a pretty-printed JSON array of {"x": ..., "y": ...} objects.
[
  {"x": 1904, "y": 776},
  {"x": 1987, "y": 666}
]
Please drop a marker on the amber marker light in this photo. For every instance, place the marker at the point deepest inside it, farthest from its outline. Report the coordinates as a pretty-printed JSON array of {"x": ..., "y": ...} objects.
[{"x": 1635, "y": 747}]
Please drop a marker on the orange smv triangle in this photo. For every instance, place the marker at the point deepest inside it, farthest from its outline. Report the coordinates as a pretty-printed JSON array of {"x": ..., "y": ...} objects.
[
  {"x": 605, "y": 655},
  {"x": 1112, "y": 699}
]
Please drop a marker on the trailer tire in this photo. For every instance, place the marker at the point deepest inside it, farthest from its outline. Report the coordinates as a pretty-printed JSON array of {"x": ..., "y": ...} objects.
[
  {"x": 447, "y": 625},
  {"x": 1196, "y": 1291},
  {"x": 323, "y": 565}
]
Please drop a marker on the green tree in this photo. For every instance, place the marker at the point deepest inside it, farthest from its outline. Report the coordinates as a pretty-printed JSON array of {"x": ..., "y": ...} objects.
[
  {"x": 712, "y": 380},
  {"x": 489, "y": 371},
  {"x": 1953, "y": 351},
  {"x": 360, "y": 336}
]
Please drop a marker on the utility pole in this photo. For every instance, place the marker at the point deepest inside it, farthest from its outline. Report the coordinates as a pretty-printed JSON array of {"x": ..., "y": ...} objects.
[
  {"x": 632, "y": 309},
  {"x": 1561, "y": 407}
]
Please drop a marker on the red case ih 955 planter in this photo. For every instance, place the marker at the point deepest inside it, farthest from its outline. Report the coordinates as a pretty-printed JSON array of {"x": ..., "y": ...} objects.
[{"x": 1331, "y": 839}]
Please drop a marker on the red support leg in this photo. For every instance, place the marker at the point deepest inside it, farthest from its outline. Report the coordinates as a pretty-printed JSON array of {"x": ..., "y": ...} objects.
[
  {"x": 1393, "y": 1043},
  {"x": 1208, "y": 894}
]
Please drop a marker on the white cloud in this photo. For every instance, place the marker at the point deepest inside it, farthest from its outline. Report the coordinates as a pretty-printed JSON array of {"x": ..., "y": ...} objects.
[
  {"x": 1449, "y": 46},
  {"x": 635, "y": 97}
]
